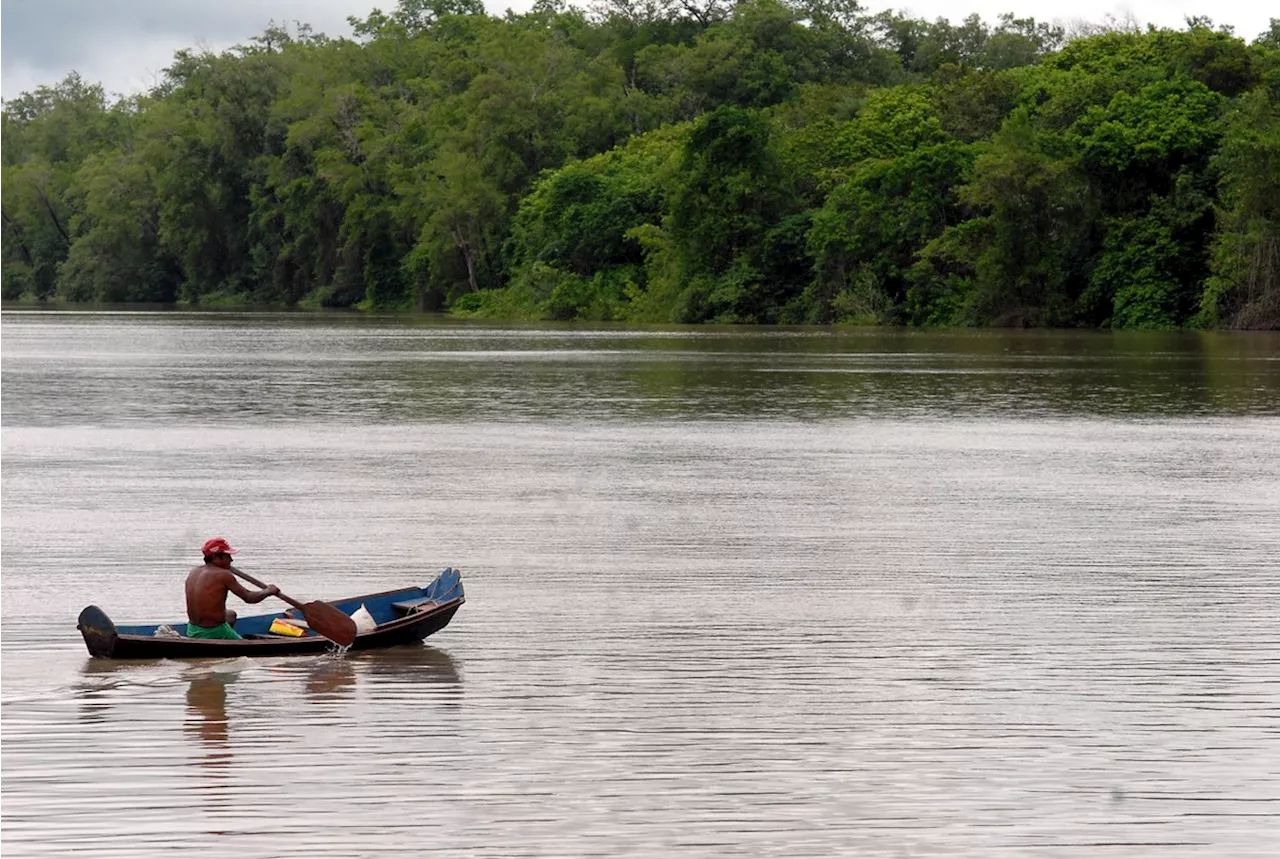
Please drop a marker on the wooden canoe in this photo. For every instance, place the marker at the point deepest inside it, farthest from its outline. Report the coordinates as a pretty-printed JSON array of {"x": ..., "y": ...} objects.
[{"x": 403, "y": 616}]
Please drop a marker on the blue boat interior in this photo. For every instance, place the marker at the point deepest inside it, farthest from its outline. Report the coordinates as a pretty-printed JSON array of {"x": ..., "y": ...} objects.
[{"x": 384, "y": 608}]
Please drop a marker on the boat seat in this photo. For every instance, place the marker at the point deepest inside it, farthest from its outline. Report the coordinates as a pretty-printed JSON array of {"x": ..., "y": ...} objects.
[{"x": 413, "y": 605}]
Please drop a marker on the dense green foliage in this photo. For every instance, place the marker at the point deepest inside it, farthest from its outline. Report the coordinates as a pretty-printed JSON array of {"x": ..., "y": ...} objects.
[{"x": 764, "y": 161}]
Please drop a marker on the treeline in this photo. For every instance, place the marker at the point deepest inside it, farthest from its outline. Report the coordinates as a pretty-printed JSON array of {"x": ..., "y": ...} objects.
[{"x": 794, "y": 161}]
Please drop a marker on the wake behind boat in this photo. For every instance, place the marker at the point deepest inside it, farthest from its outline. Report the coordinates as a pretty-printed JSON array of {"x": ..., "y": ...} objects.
[{"x": 400, "y": 616}]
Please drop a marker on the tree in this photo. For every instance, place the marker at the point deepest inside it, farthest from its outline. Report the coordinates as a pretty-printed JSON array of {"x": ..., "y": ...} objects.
[
  {"x": 727, "y": 192},
  {"x": 1023, "y": 260},
  {"x": 868, "y": 236},
  {"x": 1244, "y": 289},
  {"x": 117, "y": 255},
  {"x": 411, "y": 18},
  {"x": 47, "y": 135}
]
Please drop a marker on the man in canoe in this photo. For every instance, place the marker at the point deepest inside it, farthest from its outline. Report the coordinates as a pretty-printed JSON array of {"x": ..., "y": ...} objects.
[{"x": 207, "y": 587}]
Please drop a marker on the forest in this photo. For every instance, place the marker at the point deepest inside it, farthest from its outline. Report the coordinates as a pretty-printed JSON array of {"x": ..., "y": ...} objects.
[{"x": 659, "y": 161}]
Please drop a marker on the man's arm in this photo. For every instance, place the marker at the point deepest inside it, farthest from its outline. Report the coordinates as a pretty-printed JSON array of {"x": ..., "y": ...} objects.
[{"x": 233, "y": 585}]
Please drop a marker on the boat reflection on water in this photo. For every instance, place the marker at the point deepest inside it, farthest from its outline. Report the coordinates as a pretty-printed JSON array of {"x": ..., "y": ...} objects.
[
  {"x": 327, "y": 681},
  {"x": 98, "y": 693},
  {"x": 413, "y": 663},
  {"x": 113, "y": 689},
  {"x": 206, "y": 717},
  {"x": 330, "y": 678}
]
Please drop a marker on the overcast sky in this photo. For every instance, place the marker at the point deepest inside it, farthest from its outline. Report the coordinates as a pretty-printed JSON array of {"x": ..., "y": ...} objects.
[{"x": 123, "y": 44}]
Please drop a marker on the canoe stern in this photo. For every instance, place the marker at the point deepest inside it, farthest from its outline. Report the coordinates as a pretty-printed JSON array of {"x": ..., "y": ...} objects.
[{"x": 99, "y": 632}]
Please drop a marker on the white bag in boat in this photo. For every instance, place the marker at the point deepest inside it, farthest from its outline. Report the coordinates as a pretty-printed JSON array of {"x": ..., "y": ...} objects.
[{"x": 364, "y": 620}]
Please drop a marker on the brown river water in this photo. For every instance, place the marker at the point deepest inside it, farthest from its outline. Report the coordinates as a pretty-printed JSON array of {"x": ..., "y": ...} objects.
[{"x": 730, "y": 592}]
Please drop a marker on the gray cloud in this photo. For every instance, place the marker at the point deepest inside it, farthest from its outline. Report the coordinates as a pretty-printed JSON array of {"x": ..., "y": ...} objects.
[{"x": 122, "y": 43}]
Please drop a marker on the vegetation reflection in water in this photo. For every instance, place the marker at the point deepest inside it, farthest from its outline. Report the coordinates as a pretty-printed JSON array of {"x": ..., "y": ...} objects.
[{"x": 294, "y": 367}]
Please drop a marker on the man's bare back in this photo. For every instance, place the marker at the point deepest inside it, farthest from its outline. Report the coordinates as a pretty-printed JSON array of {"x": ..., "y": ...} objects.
[{"x": 207, "y": 587}]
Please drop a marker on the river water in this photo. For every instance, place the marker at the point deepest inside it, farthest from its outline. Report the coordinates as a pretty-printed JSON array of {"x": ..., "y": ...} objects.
[{"x": 730, "y": 592}]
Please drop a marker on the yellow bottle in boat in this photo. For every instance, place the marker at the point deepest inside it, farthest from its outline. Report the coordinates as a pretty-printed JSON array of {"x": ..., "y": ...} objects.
[{"x": 280, "y": 627}]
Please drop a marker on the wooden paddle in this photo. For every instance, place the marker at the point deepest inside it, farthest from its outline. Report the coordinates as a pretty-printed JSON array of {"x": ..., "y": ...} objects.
[{"x": 322, "y": 617}]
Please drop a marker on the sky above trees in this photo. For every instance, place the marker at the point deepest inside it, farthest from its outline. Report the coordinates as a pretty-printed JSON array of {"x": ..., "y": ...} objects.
[{"x": 124, "y": 44}]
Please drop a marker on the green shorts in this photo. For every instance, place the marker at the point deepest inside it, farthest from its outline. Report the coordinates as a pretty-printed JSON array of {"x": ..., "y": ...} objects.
[{"x": 222, "y": 630}]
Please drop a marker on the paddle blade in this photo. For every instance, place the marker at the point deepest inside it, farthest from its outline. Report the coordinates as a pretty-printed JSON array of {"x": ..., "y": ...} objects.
[{"x": 330, "y": 622}]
